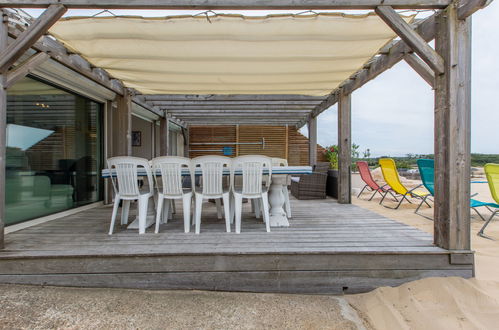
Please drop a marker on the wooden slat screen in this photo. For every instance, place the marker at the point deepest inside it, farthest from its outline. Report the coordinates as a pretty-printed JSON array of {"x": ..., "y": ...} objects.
[
  {"x": 275, "y": 142},
  {"x": 211, "y": 134},
  {"x": 298, "y": 149}
]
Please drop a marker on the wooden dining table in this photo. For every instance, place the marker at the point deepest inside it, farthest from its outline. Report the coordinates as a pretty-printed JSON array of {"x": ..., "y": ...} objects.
[{"x": 278, "y": 217}]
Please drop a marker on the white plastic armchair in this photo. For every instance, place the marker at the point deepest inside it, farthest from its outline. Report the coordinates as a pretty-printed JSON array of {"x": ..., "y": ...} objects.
[
  {"x": 255, "y": 185},
  {"x": 212, "y": 187},
  {"x": 168, "y": 176},
  {"x": 126, "y": 188},
  {"x": 276, "y": 162}
]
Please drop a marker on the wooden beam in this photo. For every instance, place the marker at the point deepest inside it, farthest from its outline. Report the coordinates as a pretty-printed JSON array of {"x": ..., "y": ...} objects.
[
  {"x": 345, "y": 148},
  {"x": 468, "y": 7},
  {"x": 186, "y": 141},
  {"x": 58, "y": 53},
  {"x": 231, "y": 103},
  {"x": 229, "y": 98},
  {"x": 411, "y": 38},
  {"x": 262, "y": 115},
  {"x": 421, "y": 68},
  {"x": 228, "y": 4},
  {"x": 156, "y": 110},
  {"x": 163, "y": 136},
  {"x": 26, "y": 39},
  {"x": 175, "y": 120},
  {"x": 312, "y": 141},
  {"x": 241, "y": 121},
  {"x": 25, "y": 68},
  {"x": 452, "y": 133},
  {"x": 147, "y": 106},
  {"x": 241, "y": 112},
  {"x": 237, "y": 140},
  {"x": 248, "y": 107},
  {"x": 122, "y": 131},
  {"x": 3, "y": 128},
  {"x": 286, "y": 146},
  {"x": 377, "y": 65}
]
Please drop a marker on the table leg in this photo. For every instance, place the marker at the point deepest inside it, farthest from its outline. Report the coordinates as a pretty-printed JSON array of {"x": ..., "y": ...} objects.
[
  {"x": 151, "y": 216},
  {"x": 278, "y": 216}
]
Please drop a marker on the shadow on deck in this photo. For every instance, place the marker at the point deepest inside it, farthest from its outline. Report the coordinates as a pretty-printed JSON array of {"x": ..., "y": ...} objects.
[{"x": 328, "y": 248}]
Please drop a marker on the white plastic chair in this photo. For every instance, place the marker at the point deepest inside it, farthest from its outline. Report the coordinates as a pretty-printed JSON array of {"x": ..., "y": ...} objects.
[
  {"x": 126, "y": 188},
  {"x": 285, "y": 191},
  {"x": 212, "y": 168},
  {"x": 168, "y": 176},
  {"x": 253, "y": 178}
]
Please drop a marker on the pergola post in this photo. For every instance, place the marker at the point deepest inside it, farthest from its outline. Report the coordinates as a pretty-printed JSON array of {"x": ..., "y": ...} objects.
[
  {"x": 452, "y": 132},
  {"x": 312, "y": 141},
  {"x": 3, "y": 126},
  {"x": 345, "y": 148},
  {"x": 186, "y": 142},
  {"x": 163, "y": 136},
  {"x": 122, "y": 132},
  {"x": 109, "y": 149}
]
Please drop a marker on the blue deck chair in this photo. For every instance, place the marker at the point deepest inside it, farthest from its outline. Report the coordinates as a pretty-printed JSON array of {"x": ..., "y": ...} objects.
[{"x": 427, "y": 172}]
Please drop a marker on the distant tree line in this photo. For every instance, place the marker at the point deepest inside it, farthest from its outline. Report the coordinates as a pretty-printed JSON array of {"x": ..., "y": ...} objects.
[{"x": 403, "y": 162}]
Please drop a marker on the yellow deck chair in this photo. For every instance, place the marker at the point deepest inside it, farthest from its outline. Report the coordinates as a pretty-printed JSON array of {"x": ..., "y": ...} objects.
[
  {"x": 391, "y": 176},
  {"x": 492, "y": 173}
]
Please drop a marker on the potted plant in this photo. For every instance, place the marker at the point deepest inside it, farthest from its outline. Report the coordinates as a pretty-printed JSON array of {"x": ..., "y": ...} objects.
[{"x": 331, "y": 154}]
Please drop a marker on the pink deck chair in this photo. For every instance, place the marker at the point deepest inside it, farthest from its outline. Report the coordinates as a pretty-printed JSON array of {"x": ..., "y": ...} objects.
[{"x": 371, "y": 185}]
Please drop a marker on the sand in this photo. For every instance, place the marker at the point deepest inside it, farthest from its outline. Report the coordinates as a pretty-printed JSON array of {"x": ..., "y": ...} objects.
[
  {"x": 438, "y": 303},
  {"x": 34, "y": 307}
]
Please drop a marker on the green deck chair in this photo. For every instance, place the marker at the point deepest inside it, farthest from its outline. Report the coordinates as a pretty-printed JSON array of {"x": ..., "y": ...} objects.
[{"x": 492, "y": 174}]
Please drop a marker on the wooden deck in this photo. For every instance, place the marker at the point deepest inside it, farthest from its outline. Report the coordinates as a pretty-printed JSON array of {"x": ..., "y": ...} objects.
[{"x": 329, "y": 248}]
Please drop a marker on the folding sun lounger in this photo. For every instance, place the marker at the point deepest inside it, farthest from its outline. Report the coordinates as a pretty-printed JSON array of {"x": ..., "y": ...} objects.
[
  {"x": 371, "y": 185},
  {"x": 492, "y": 174},
  {"x": 392, "y": 178},
  {"x": 427, "y": 172}
]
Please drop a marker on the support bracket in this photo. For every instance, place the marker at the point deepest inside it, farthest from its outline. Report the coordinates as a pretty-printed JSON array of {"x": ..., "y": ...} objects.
[
  {"x": 421, "y": 68},
  {"x": 411, "y": 38},
  {"x": 31, "y": 35}
]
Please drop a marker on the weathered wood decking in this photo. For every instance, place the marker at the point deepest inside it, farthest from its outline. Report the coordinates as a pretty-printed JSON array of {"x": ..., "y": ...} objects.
[{"x": 329, "y": 248}]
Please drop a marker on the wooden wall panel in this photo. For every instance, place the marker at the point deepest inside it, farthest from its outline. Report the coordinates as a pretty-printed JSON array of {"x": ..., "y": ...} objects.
[
  {"x": 277, "y": 138},
  {"x": 211, "y": 134},
  {"x": 298, "y": 149}
]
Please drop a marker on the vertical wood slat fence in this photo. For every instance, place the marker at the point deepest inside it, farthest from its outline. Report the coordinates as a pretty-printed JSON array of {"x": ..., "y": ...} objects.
[{"x": 280, "y": 141}]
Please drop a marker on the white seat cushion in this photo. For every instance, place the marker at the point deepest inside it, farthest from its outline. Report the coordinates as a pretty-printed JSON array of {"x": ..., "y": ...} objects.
[{"x": 295, "y": 178}]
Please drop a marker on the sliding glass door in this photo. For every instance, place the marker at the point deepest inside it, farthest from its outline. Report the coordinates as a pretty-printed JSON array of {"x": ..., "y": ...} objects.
[{"x": 54, "y": 150}]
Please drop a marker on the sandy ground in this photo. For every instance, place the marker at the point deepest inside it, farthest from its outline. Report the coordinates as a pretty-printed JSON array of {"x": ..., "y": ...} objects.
[
  {"x": 434, "y": 303},
  {"x": 438, "y": 303},
  {"x": 25, "y": 307}
]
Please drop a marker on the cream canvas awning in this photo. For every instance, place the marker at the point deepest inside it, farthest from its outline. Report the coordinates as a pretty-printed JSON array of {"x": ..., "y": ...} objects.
[{"x": 228, "y": 54}]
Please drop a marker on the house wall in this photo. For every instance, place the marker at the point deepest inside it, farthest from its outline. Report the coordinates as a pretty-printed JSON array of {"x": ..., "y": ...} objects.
[{"x": 145, "y": 150}]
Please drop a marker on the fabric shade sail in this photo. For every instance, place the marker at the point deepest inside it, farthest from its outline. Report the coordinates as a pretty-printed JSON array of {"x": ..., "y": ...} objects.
[{"x": 228, "y": 54}]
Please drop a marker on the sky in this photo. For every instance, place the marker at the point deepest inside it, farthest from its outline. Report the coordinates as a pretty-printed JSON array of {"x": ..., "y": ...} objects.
[{"x": 392, "y": 115}]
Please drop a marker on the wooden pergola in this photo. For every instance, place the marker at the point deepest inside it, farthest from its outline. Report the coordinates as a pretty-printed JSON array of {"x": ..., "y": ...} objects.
[{"x": 446, "y": 68}]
